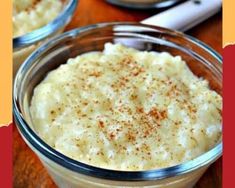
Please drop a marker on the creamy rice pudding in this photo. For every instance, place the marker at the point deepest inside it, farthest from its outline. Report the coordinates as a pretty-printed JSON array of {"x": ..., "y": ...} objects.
[
  {"x": 126, "y": 109},
  {"x": 29, "y": 15}
]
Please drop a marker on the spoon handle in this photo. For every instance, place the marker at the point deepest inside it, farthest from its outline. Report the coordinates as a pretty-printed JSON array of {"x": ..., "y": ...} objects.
[{"x": 185, "y": 15}]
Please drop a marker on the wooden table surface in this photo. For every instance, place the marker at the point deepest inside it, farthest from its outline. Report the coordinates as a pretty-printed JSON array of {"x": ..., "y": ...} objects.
[{"x": 27, "y": 169}]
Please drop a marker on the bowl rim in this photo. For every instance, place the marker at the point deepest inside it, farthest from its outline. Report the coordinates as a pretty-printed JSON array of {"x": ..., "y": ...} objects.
[
  {"x": 47, "y": 30},
  {"x": 78, "y": 167},
  {"x": 142, "y": 6}
]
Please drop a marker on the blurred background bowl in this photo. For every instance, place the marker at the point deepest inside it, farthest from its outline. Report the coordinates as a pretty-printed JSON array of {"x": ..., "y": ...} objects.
[
  {"x": 26, "y": 44},
  {"x": 144, "y": 4}
]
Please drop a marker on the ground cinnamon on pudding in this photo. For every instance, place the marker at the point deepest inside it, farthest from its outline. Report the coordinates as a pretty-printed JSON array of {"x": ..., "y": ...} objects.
[{"x": 126, "y": 109}]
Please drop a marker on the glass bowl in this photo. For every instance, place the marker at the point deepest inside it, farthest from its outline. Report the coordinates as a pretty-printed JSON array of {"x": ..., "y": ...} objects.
[
  {"x": 66, "y": 172},
  {"x": 26, "y": 44},
  {"x": 144, "y": 4}
]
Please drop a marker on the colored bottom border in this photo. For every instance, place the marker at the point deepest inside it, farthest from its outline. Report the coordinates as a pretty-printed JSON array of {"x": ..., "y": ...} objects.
[
  {"x": 228, "y": 114},
  {"x": 6, "y": 156}
]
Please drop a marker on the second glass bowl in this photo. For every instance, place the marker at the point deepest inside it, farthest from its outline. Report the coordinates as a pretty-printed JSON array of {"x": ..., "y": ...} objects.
[
  {"x": 24, "y": 45},
  {"x": 144, "y": 4}
]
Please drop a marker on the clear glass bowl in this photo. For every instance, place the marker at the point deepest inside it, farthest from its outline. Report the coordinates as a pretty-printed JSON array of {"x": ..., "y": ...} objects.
[
  {"x": 26, "y": 44},
  {"x": 144, "y": 4},
  {"x": 66, "y": 172}
]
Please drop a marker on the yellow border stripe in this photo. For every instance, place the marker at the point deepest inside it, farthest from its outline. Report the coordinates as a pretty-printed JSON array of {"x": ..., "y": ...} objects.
[
  {"x": 228, "y": 22},
  {"x": 5, "y": 62}
]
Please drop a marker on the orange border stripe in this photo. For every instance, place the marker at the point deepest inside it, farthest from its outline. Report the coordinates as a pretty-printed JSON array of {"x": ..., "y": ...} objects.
[
  {"x": 228, "y": 22},
  {"x": 5, "y": 62}
]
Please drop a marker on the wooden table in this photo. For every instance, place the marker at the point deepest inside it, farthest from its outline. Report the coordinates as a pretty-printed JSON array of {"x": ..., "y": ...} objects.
[{"x": 28, "y": 171}]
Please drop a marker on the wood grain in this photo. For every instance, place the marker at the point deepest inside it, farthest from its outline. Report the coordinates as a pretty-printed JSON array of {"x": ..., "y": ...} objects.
[{"x": 27, "y": 169}]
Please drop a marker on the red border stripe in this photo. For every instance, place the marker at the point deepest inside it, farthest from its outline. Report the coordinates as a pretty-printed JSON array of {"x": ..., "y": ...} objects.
[
  {"x": 228, "y": 116},
  {"x": 6, "y": 156}
]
